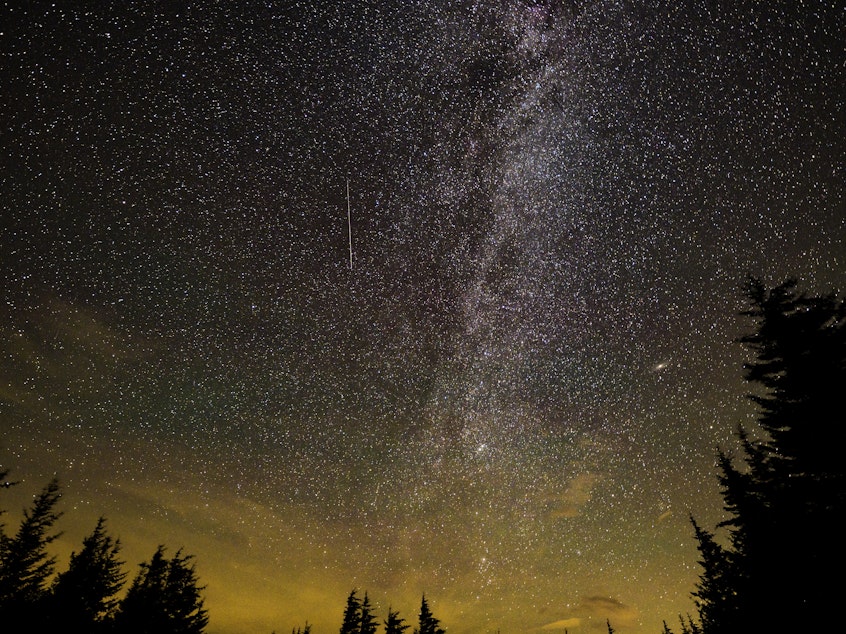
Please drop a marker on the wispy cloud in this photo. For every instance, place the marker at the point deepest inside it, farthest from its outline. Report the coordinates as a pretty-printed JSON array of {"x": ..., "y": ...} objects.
[
  {"x": 59, "y": 354},
  {"x": 592, "y": 612},
  {"x": 563, "y": 624},
  {"x": 578, "y": 493}
]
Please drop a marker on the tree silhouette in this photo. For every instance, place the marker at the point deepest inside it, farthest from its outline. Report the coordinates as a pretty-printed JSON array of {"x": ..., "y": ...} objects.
[
  {"x": 164, "y": 598},
  {"x": 84, "y": 596},
  {"x": 25, "y": 565},
  {"x": 428, "y": 623},
  {"x": 368, "y": 623},
  {"x": 785, "y": 502},
  {"x": 715, "y": 596},
  {"x": 395, "y": 624},
  {"x": 799, "y": 345},
  {"x": 352, "y": 614},
  {"x": 690, "y": 626}
]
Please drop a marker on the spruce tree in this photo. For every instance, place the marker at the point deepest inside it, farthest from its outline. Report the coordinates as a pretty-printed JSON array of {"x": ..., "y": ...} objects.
[
  {"x": 352, "y": 614},
  {"x": 799, "y": 344},
  {"x": 164, "y": 598},
  {"x": 428, "y": 623},
  {"x": 787, "y": 535},
  {"x": 25, "y": 565},
  {"x": 368, "y": 623},
  {"x": 786, "y": 500},
  {"x": 143, "y": 608},
  {"x": 715, "y": 590},
  {"x": 84, "y": 596},
  {"x": 186, "y": 604},
  {"x": 395, "y": 624}
]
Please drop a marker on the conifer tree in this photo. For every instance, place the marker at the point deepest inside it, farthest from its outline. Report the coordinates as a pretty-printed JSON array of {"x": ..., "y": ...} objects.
[
  {"x": 352, "y": 614},
  {"x": 395, "y": 624},
  {"x": 716, "y": 584},
  {"x": 185, "y": 595},
  {"x": 687, "y": 627},
  {"x": 164, "y": 598},
  {"x": 143, "y": 608},
  {"x": 428, "y": 623},
  {"x": 368, "y": 623},
  {"x": 84, "y": 596},
  {"x": 25, "y": 565},
  {"x": 690, "y": 626},
  {"x": 785, "y": 502}
]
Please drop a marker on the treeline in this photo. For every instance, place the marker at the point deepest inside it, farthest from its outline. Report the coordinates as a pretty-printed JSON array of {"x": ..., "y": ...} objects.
[
  {"x": 774, "y": 564},
  {"x": 360, "y": 618},
  {"x": 163, "y": 598}
]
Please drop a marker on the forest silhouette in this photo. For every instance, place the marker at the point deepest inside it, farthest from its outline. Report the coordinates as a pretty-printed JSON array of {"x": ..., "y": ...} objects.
[{"x": 767, "y": 568}]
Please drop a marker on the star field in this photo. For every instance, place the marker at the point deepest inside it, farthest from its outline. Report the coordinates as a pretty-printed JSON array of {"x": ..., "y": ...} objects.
[{"x": 513, "y": 399}]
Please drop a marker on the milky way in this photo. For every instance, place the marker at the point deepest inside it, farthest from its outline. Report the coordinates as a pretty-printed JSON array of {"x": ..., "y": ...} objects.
[{"x": 513, "y": 399}]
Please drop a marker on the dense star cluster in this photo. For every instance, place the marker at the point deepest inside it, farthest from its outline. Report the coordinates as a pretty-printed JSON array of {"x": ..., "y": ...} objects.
[{"x": 512, "y": 401}]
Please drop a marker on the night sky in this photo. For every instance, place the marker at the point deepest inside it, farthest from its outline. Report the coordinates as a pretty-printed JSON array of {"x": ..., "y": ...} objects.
[{"x": 513, "y": 399}]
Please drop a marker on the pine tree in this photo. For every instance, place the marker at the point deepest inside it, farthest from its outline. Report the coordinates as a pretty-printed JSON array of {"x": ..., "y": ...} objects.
[
  {"x": 395, "y": 624},
  {"x": 84, "y": 596},
  {"x": 164, "y": 598},
  {"x": 352, "y": 614},
  {"x": 25, "y": 565}
]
